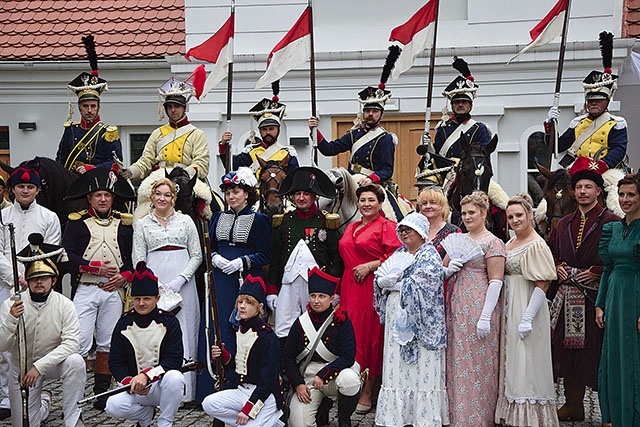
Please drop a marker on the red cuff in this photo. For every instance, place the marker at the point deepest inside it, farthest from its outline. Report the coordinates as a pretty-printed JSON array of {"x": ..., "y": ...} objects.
[
  {"x": 92, "y": 268},
  {"x": 375, "y": 178},
  {"x": 272, "y": 289},
  {"x": 246, "y": 409},
  {"x": 226, "y": 356},
  {"x": 126, "y": 380},
  {"x": 128, "y": 276},
  {"x": 547, "y": 128},
  {"x": 222, "y": 147},
  {"x": 88, "y": 167},
  {"x": 320, "y": 135},
  {"x": 146, "y": 372}
]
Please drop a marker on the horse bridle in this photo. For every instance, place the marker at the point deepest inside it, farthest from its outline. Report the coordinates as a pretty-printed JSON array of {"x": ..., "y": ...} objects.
[
  {"x": 558, "y": 199},
  {"x": 478, "y": 169},
  {"x": 336, "y": 204},
  {"x": 272, "y": 177}
]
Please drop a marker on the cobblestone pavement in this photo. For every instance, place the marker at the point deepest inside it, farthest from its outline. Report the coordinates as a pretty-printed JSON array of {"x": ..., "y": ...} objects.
[{"x": 197, "y": 418}]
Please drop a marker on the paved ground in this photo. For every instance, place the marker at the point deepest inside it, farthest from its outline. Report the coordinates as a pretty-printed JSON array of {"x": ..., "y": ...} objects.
[{"x": 197, "y": 418}]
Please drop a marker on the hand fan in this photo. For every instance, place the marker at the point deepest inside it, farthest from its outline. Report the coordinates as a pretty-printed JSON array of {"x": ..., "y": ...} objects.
[
  {"x": 461, "y": 246},
  {"x": 398, "y": 262}
]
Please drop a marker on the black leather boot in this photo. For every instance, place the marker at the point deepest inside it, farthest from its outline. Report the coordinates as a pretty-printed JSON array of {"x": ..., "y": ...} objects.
[
  {"x": 346, "y": 407},
  {"x": 322, "y": 416},
  {"x": 102, "y": 383}
]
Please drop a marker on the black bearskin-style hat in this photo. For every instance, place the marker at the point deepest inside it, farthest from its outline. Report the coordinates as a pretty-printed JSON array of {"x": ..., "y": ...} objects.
[
  {"x": 602, "y": 84},
  {"x": 321, "y": 282},
  {"x": 144, "y": 282},
  {"x": 254, "y": 286},
  {"x": 40, "y": 259},
  {"x": 464, "y": 86},
  {"x": 98, "y": 179},
  {"x": 311, "y": 179}
]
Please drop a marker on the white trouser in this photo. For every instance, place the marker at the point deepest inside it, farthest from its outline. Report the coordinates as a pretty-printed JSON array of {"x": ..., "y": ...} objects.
[
  {"x": 291, "y": 303},
  {"x": 226, "y": 405},
  {"x": 5, "y": 356},
  {"x": 304, "y": 414},
  {"x": 165, "y": 393},
  {"x": 100, "y": 310},
  {"x": 72, "y": 371}
]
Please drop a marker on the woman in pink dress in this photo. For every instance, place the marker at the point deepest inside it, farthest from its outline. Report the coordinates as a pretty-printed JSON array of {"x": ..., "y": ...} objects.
[
  {"x": 473, "y": 326},
  {"x": 363, "y": 248}
]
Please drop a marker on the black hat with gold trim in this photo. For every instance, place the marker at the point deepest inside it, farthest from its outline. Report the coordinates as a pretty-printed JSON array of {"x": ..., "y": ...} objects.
[
  {"x": 41, "y": 259},
  {"x": 269, "y": 112},
  {"x": 602, "y": 84},
  {"x": 101, "y": 179},
  {"x": 88, "y": 86},
  {"x": 463, "y": 86},
  {"x": 372, "y": 97},
  {"x": 310, "y": 179}
]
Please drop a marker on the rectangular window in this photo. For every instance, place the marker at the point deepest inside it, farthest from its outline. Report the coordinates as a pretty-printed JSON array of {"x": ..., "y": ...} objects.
[
  {"x": 4, "y": 137},
  {"x": 136, "y": 144}
]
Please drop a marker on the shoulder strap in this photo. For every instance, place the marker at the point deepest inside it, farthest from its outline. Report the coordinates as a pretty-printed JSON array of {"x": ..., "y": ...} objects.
[
  {"x": 83, "y": 143},
  {"x": 172, "y": 136},
  {"x": 305, "y": 321},
  {"x": 369, "y": 136},
  {"x": 588, "y": 132},
  {"x": 455, "y": 135}
]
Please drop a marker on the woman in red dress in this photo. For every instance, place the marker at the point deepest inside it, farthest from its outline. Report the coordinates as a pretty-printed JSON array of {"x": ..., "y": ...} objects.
[{"x": 363, "y": 248}]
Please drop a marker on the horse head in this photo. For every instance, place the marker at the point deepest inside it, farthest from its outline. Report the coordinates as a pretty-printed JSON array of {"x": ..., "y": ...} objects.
[
  {"x": 184, "y": 184},
  {"x": 558, "y": 194},
  {"x": 270, "y": 178},
  {"x": 474, "y": 170}
]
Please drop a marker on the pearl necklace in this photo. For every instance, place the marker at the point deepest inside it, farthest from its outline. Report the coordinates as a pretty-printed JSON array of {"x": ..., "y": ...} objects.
[{"x": 164, "y": 218}]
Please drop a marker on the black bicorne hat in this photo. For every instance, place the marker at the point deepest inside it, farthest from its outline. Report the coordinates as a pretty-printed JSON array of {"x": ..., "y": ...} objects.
[
  {"x": 98, "y": 179},
  {"x": 311, "y": 179}
]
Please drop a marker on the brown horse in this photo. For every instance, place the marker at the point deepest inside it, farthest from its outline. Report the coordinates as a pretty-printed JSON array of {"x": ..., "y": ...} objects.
[
  {"x": 473, "y": 173},
  {"x": 270, "y": 179},
  {"x": 558, "y": 199}
]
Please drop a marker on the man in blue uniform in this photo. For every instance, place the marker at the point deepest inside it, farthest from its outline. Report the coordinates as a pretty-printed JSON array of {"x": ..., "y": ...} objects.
[
  {"x": 89, "y": 142},
  {"x": 597, "y": 134},
  {"x": 319, "y": 357},
  {"x": 461, "y": 93},
  {"x": 98, "y": 243},
  {"x": 269, "y": 114},
  {"x": 146, "y": 352}
]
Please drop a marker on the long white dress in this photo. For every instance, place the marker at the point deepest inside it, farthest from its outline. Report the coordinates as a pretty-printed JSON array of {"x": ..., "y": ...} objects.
[
  {"x": 527, "y": 394},
  {"x": 149, "y": 237},
  {"x": 415, "y": 393}
]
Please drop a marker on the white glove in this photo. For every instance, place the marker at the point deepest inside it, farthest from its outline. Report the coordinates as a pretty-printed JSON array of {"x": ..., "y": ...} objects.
[
  {"x": 176, "y": 283},
  {"x": 336, "y": 300},
  {"x": 271, "y": 301},
  {"x": 126, "y": 173},
  {"x": 526, "y": 323},
  {"x": 219, "y": 261},
  {"x": 454, "y": 266},
  {"x": 554, "y": 113},
  {"x": 389, "y": 280},
  {"x": 233, "y": 266},
  {"x": 483, "y": 327}
]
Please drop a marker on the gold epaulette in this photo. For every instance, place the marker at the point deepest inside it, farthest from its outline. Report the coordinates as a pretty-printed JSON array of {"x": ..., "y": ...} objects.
[
  {"x": 111, "y": 134},
  {"x": 276, "y": 220},
  {"x": 75, "y": 216},
  {"x": 125, "y": 218},
  {"x": 332, "y": 220},
  {"x": 67, "y": 124}
]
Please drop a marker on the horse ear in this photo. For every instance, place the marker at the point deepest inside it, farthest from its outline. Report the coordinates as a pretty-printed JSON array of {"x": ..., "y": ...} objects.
[
  {"x": 544, "y": 171},
  {"x": 166, "y": 174},
  {"x": 464, "y": 143},
  {"x": 7, "y": 168},
  {"x": 491, "y": 147},
  {"x": 261, "y": 161},
  {"x": 192, "y": 181}
]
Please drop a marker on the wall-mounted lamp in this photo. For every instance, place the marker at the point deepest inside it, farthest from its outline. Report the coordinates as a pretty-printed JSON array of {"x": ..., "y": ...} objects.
[{"x": 27, "y": 125}]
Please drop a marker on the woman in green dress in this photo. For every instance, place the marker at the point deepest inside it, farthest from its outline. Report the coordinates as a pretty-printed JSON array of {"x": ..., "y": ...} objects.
[{"x": 618, "y": 312}]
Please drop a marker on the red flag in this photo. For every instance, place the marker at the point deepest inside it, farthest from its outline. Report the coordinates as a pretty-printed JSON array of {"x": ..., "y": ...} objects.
[
  {"x": 217, "y": 49},
  {"x": 416, "y": 35},
  {"x": 198, "y": 77},
  {"x": 548, "y": 29},
  {"x": 294, "y": 49}
]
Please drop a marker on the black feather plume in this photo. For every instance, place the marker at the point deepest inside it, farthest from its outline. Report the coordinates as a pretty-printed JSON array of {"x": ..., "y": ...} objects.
[
  {"x": 275, "y": 87},
  {"x": 462, "y": 66},
  {"x": 606, "y": 48},
  {"x": 90, "y": 47},
  {"x": 390, "y": 62}
]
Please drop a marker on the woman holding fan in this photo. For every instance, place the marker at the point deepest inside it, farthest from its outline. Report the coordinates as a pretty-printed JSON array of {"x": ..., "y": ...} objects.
[{"x": 472, "y": 325}]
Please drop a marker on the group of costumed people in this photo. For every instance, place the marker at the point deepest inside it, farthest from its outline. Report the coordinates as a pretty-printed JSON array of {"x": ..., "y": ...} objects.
[{"x": 438, "y": 326}]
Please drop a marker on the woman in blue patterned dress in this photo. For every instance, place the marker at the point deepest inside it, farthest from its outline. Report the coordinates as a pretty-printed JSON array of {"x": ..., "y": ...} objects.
[
  {"x": 410, "y": 303},
  {"x": 241, "y": 245}
]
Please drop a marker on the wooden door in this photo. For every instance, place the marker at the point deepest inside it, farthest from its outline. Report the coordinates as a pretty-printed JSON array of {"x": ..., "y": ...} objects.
[{"x": 409, "y": 129}]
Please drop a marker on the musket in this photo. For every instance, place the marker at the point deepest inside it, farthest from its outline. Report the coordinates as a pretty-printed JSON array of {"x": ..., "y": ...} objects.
[
  {"x": 189, "y": 365},
  {"x": 211, "y": 313},
  {"x": 22, "y": 333}
]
